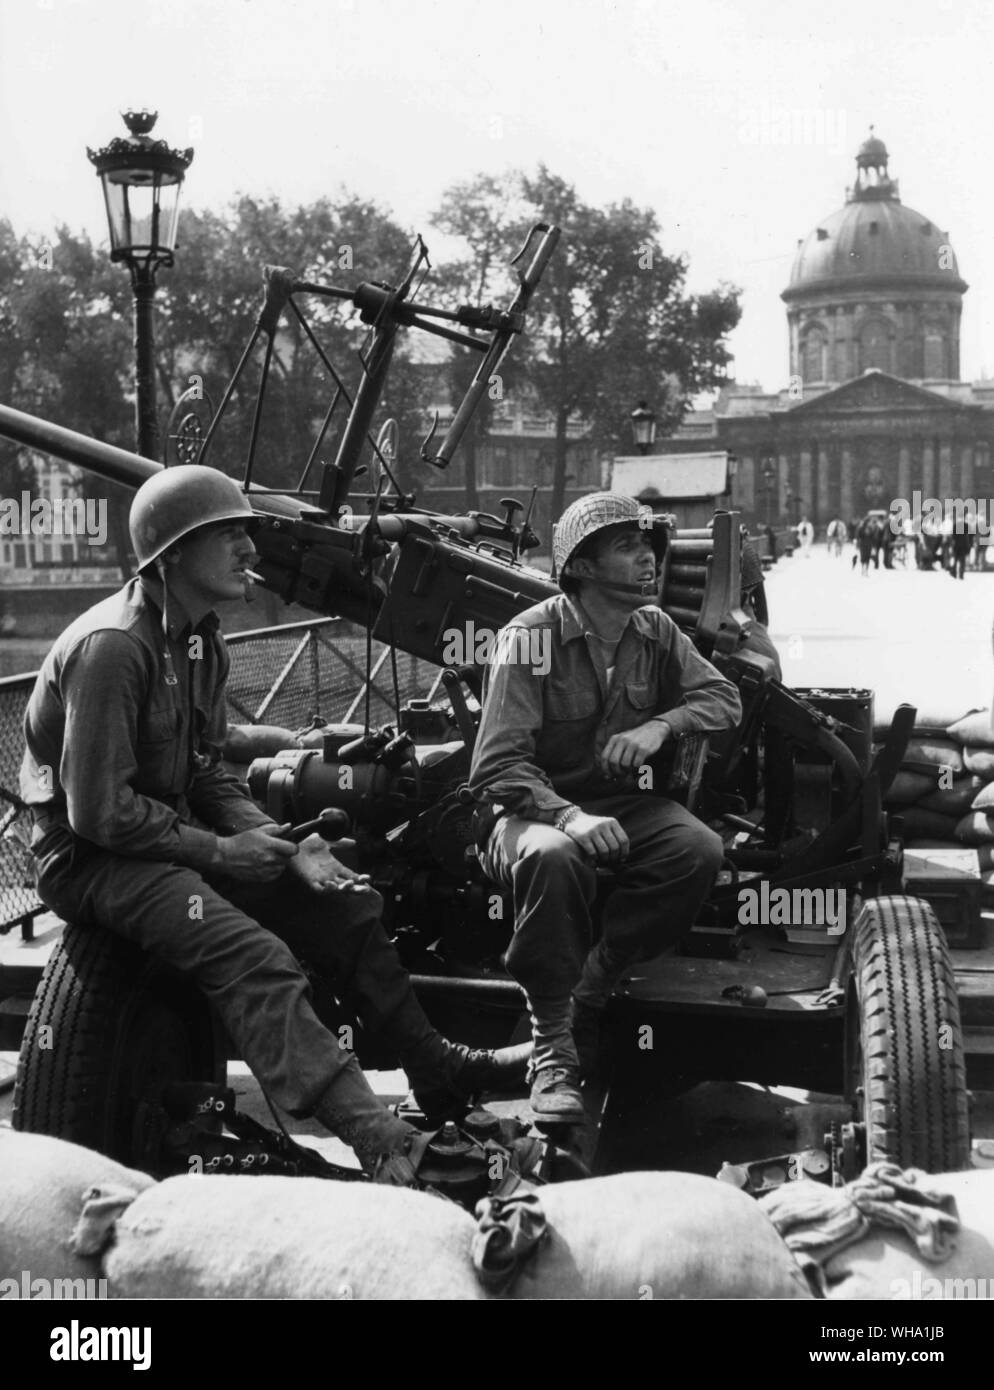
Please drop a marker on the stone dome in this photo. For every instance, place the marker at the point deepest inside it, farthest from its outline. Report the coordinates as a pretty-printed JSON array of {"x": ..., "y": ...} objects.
[
  {"x": 875, "y": 285},
  {"x": 873, "y": 239},
  {"x": 877, "y": 240}
]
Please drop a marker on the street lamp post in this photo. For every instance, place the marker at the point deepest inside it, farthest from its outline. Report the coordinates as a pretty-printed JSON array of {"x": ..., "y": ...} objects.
[
  {"x": 643, "y": 427},
  {"x": 141, "y": 180}
]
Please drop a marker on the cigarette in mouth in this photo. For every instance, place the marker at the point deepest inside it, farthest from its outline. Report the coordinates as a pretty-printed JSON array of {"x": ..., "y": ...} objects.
[{"x": 253, "y": 579}]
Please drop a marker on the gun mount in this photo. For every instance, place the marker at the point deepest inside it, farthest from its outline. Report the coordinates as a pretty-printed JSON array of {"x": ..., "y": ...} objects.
[{"x": 411, "y": 577}]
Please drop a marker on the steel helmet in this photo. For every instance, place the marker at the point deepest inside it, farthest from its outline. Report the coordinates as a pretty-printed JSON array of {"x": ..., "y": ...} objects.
[
  {"x": 595, "y": 513},
  {"x": 180, "y": 500}
]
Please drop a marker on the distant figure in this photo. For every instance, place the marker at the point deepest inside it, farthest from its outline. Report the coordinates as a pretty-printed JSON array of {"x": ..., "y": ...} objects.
[
  {"x": 836, "y": 534},
  {"x": 962, "y": 544},
  {"x": 869, "y": 539},
  {"x": 771, "y": 541},
  {"x": 805, "y": 536}
]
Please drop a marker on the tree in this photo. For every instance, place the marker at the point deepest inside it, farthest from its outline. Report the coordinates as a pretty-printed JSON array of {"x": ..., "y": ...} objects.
[
  {"x": 65, "y": 313},
  {"x": 486, "y": 214},
  {"x": 610, "y": 323},
  {"x": 212, "y": 300}
]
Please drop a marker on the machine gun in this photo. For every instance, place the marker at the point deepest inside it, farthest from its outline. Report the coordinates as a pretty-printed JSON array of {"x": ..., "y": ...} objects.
[{"x": 837, "y": 1021}]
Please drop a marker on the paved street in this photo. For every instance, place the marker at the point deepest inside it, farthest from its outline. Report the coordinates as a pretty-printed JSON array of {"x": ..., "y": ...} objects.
[{"x": 908, "y": 635}]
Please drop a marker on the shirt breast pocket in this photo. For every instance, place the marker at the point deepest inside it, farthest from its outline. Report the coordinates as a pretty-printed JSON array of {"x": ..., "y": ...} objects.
[
  {"x": 565, "y": 704},
  {"x": 157, "y": 751},
  {"x": 639, "y": 704}
]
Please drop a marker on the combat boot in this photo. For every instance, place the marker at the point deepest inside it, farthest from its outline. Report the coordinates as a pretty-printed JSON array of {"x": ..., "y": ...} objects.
[
  {"x": 555, "y": 1094},
  {"x": 445, "y": 1075},
  {"x": 356, "y": 1115}
]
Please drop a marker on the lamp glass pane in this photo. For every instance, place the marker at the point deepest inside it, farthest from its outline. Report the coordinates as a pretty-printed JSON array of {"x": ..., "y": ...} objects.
[
  {"x": 141, "y": 210},
  {"x": 115, "y": 197}
]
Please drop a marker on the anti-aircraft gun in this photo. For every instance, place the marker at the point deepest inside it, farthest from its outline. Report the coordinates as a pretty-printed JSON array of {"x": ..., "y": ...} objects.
[{"x": 867, "y": 1009}]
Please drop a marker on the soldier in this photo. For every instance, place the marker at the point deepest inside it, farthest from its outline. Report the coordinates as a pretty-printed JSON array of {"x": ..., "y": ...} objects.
[
  {"x": 557, "y": 763},
  {"x": 135, "y": 820}
]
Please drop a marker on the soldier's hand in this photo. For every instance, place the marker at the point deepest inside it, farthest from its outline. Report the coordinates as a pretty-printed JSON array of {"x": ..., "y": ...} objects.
[
  {"x": 258, "y": 855},
  {"x": 602, "y": 837},
  {"x": 323, "y": 873},
  {"x": 628, "y": 750}
]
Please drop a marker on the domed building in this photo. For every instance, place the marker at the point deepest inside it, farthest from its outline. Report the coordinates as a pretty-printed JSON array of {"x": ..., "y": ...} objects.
[
  {"x": 876, "y": 285},
  {"x": 874, "y": 408}
]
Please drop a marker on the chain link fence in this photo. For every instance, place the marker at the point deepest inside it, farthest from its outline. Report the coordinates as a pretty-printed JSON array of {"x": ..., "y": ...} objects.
[{"x": 289, "y": 676}]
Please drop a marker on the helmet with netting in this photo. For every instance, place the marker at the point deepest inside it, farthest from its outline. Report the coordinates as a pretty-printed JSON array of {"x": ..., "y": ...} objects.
[{"x": 597, "y": 512}]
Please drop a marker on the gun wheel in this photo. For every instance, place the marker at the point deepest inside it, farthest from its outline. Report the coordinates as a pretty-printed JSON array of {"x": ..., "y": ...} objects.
[
  {"x": 905, "y": 1065},
  {"x": 108, "y": 1029}
]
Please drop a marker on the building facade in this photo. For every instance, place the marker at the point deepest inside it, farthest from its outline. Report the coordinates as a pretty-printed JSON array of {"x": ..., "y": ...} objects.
[{"x": 874, "y": 408}]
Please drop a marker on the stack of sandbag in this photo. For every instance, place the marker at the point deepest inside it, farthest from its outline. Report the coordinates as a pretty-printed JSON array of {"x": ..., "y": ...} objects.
[
  {"x": 941, "y": 1247},
  {"x": 944, "y": 793},
  {"x": 68, "y": 1212}
]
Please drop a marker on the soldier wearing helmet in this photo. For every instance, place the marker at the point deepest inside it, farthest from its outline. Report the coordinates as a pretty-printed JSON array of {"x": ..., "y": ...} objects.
[
  {"x": 562, "y": 763},
  {"x": 139, "y": 830}
]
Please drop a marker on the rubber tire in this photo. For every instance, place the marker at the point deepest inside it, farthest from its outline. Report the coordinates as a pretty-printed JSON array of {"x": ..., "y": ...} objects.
[
  {"x": 909, "y": 1059},
  {"x": 121, "y": 1025}
]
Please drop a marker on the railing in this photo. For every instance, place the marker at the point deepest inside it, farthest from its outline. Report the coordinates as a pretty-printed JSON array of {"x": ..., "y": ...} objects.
[{"x": 289, "y": 676}]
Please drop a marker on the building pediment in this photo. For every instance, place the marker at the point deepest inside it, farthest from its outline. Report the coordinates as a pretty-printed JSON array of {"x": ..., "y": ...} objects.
[{"x": 874, "y": 390}]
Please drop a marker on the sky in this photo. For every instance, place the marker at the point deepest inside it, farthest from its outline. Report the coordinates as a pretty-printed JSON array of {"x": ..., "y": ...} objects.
[{"x": 736, "y": 123}]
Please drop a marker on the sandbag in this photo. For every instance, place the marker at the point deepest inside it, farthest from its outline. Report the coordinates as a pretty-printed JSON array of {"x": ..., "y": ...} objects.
[
  {"x": 240, "y": 1237},
  {"x": 657, "y": 1236},
  {"x": 42, "y": 1186},
  {"x": 908, "y": 788},
  {"x": 984, "y": 853},
  {"x": 978, "y": 759},
  {"x": 630, "y": 1236},
  {"x": 975, "y": 727},
  {"x": 957, "y": 799},
  {"x": 933, "y": 752},
  {"x": 886, "y": 1265},
  {"x": 984, "y": 799},
  {"x": 976, "y": 828},
  {"x": 919, "y": 823}
]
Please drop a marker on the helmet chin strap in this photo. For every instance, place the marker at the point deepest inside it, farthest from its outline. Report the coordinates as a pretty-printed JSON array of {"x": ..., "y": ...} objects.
[
  {"x": 160, "y": 566},
  {"x": 649, "y": 589}
]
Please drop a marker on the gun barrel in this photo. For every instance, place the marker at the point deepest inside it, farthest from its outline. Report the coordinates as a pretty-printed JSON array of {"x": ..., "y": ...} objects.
[{"x": 119, "y": 465}]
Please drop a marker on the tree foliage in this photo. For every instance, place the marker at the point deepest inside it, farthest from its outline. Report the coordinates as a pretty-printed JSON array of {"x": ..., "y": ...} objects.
[{"x": 610, "y": 324}]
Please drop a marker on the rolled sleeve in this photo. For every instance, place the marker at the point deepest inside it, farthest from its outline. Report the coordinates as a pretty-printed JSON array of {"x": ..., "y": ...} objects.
[{"x": 693, "y": 696}]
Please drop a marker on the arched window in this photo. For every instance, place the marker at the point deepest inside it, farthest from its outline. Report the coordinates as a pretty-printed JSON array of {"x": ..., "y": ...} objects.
[
  {"x": 936, "y": 352},
  {"x": 875, "y": 347},
  {"x": 814, "y": 354}
]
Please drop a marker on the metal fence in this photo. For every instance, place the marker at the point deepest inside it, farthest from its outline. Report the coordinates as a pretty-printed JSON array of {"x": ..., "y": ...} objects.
[{"x": 289, "y": 676}]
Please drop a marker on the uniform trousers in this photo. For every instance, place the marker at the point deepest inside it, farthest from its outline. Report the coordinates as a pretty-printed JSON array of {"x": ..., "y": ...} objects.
[
  {"x": 657, "y": 893},
  {"x": 240, "y": 943}
]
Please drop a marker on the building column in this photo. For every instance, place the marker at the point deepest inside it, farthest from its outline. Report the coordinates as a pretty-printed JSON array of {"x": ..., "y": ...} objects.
[
  {"x": 783, "y": 483},
  {"x": 945, "y": 470},
  {"x": 846, "y": 485},
  {"x": 744, "y": 485},
  {"x": 904, "y": 473},
  {"x": 966, "y": 482},
  {"x": 805, "y": 501},
  {"x": 822, "y": 503},
  {"x": 928, "y": 470}
]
